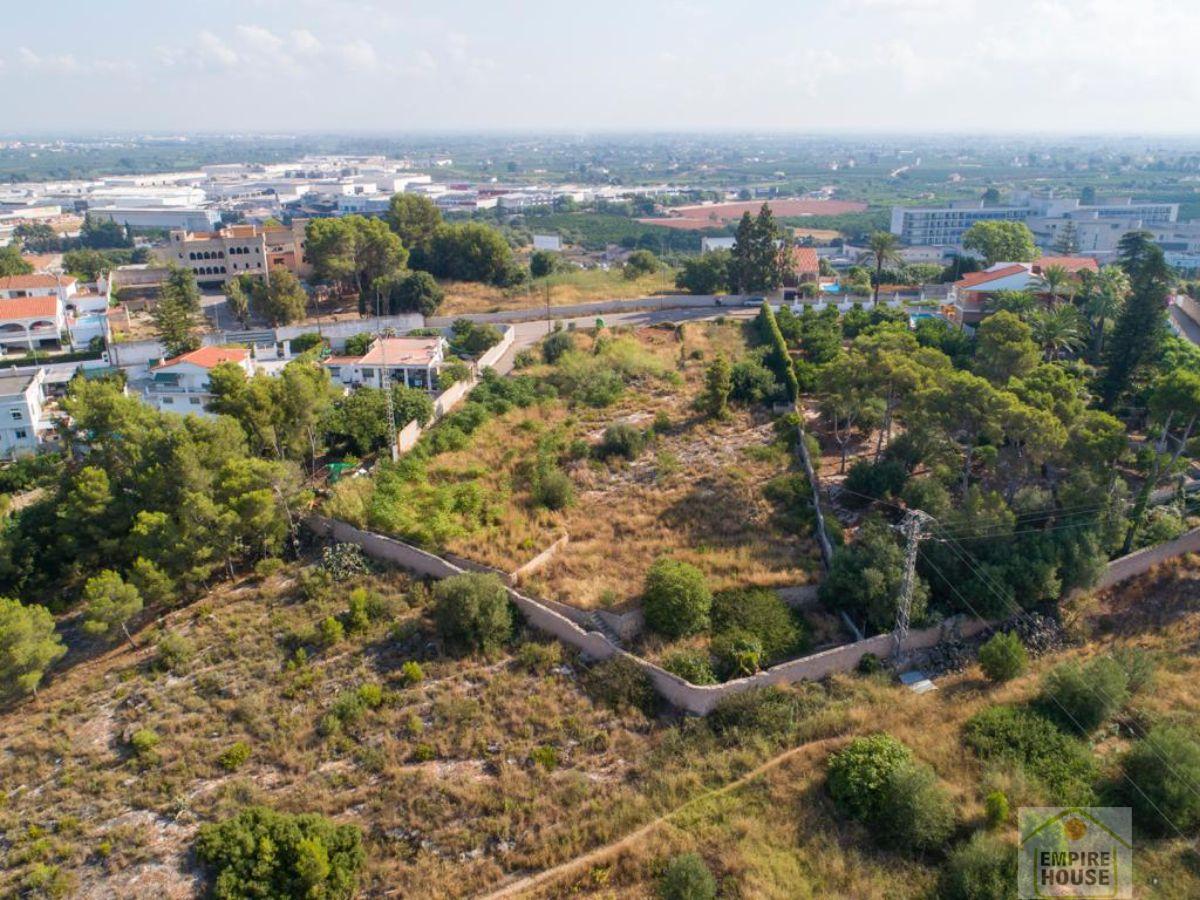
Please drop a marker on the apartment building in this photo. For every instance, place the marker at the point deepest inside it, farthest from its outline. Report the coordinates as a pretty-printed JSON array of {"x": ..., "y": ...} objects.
[
  {"x": 217, "y": 257},
  {"x": 945, "y": 226}
]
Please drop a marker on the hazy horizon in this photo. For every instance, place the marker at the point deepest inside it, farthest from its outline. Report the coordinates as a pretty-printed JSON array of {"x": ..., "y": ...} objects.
[{"x": 1086, "y": 68}]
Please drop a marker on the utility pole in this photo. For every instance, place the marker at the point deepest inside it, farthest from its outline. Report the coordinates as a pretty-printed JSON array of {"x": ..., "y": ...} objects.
[
  {"x": 385, "y": 376},
  {"x": 911, "y": 527}
]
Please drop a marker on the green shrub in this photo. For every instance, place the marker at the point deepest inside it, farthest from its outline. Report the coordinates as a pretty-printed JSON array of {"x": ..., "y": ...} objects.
[
  {"x": 621, "y": 439},
  {"x": 424, "y": 753},
  {"x": 538, "y": 658},
  {"x": 771, "y": 712},
  {"x": 690, "y": 665},
  {"x": 1059, "y": 762},
  {"x": 737, "y": 653},
  {"x": 686, "y": 877},
  {"x": 1003, "y": 657},
  {"x": 556, "y": 344},
  {"x": 263, "y": 853},
  {"x": 620, "y": 683},
  {"x": 869, "y": 664},
  {"x": 370, "y": 695},
  {"x": 995, "y": 806},
  {"x": 545, "y": 756},
  {"x": 1165, "y": 765},
  {"x": 879, "y": 480},
  {"x": 472, "y": 611},
  {"x": 234, "y": 756},
  {"x": 411, "y": 673},
  {"x": 915, "y": 811},
  {"x": 143, "y": 743},
  {"x": 173, "y": 652},
  {"x": 676, "y": 599},
  {"x": 1138, "y": 665},
  {"x": 331, "y": 631},
  {"x": 358, "y": 619},
  {"x": 984, "y": 868},
  {"x": 1082, "y": 698},
  {"x": 859, "y": 773},
  {"x": 268, "y": 566},
  {"x": 343, "y": 562},
  {"x": 554, "y": 490},
  {"x": 763, "y": 614}
]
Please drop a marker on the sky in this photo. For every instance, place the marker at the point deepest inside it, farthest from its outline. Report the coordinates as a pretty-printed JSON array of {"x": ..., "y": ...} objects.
[{"x": 960, "y": 66}]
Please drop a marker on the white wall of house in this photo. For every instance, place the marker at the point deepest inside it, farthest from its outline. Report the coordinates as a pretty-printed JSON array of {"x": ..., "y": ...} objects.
[{"x": 20, "y": 415}]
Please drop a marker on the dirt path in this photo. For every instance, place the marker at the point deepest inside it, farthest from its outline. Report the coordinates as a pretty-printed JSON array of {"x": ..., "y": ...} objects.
[{"x": 548, "y": 876}]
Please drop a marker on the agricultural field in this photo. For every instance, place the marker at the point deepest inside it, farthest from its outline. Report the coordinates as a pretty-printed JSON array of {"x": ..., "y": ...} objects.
[
  {"x": 645, "y": 474},
  {"x": 465, "y": 774}
]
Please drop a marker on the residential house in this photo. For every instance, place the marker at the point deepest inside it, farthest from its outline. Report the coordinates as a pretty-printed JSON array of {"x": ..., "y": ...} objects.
[
  {"x": 412, "y": 362},
  {"x": 21, "y": 421},
  {"x": 181, "y": 384},
  {"x": 969, "y": 299}
]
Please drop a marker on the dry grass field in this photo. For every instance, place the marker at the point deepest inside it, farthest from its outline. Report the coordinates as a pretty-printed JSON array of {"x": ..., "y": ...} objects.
[
  {"x": 695, "y": 493},
  {"x": 450, "y": 778},
  {"x": 566, "y": 288}
]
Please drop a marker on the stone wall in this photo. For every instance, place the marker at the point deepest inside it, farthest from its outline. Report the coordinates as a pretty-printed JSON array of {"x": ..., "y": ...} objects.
[{"x": 569, "y": 625}]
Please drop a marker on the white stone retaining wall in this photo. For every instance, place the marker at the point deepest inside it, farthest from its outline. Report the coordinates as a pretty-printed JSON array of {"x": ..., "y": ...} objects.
[{"x": 553, "y": 619}]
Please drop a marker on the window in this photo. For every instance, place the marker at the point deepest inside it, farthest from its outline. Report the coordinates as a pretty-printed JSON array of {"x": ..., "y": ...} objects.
[
  {"x": 368, "y": 373},
  {"x": 16, "y": 414},
  {"x": 169, "y": 401},
  {"x": 21, "y": 434},
  {"x": 191, "y": 256},
  {"x": 195, "y": 401}
]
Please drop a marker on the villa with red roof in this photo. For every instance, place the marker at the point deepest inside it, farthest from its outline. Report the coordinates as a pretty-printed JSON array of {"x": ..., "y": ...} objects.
[
  {"x": 181, "y": 384},
  {"x": 970, "y": 298}
]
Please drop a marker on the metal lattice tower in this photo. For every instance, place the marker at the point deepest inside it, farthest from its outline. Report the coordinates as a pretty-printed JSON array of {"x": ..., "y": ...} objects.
[{"x": 911, "y": 528}]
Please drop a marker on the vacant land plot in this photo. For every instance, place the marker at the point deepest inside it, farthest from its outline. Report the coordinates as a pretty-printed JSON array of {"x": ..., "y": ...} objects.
[
  {"x": 566, "y": 288},
  {"x": 693, "y": 489}
]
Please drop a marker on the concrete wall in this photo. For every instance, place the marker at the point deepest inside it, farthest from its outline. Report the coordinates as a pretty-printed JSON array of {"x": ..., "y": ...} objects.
[
  {"x": 492, "y": 356},
  {"x": 1144, "y": 560},
  {"x": 1189, "y": 307},
  {"x": 599, "y": 308},
  {"x": 564, "y": 623},
  {"x": 540, "y": 560},
  {"x": 407, "y": 437}
]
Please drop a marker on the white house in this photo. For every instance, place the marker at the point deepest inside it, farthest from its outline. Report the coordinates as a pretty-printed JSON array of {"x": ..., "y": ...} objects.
[
  {"x": 412, "y": 362},
  {"x": 21, "y": 401},
  {"x": 709, "y": 244},
  {"x": 547, "y": 242},
  {"x": 18, "y": 287},
  {"x": 181, "y": 384},
  {"x": 31, "y": 323}
]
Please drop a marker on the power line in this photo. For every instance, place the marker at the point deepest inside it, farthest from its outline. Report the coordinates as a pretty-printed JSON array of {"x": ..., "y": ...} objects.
[
  {"x": 1065, "y": 711},
  {"x": 990, "y": 583}
]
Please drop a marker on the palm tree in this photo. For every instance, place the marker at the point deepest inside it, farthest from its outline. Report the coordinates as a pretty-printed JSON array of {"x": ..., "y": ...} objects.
[
  {"x": 1058, "y": 330},
  {"x": 1054, "y": 279},
  {"x": 883, "y": 248},
  {"x": 1105, "y": 302}
]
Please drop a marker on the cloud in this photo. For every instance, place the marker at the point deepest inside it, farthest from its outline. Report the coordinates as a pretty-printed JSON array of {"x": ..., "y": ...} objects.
[
  {"x": 215, "y": 50},
  {"x": 64, "y": 63},
  {"x": 304, "y": 41},
  {"x": 358, "y": 54}
]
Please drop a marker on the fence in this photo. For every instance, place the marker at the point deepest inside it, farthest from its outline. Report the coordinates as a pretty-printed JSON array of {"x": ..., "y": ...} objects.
[{"x": 560, "y": 621}]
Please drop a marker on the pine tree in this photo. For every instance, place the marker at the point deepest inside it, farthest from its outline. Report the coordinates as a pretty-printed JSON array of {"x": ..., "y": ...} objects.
[
  {"x": 718, "y": 382},
  {"x": 1141, "y": 327}
]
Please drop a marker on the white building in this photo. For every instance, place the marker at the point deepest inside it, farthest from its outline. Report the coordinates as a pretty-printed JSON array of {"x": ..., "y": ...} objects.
[
  {"x": 181, "y": 384},
  {"x": 944, "y": 226},
  {"x": 412, "y": 362},
  {"x": 709, "y": 244},
  {"x": 547, "y": 242},
  {"x": 21, "y": 419}
]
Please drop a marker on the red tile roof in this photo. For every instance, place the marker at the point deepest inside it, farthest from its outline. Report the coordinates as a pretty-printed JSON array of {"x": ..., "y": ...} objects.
[
  {"x": 804, "y": 261},
  {"x": 972, "y": 279},
  {"x": 29, "y": 308},
  {"x": 1072, "y": 264},
  {"x": 26, "y": 282},
  {"x": 209, "y": 357}
]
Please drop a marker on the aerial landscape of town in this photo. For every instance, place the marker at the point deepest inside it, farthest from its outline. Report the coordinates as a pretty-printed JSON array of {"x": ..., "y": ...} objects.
[{"x": 437, "y": 464}]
